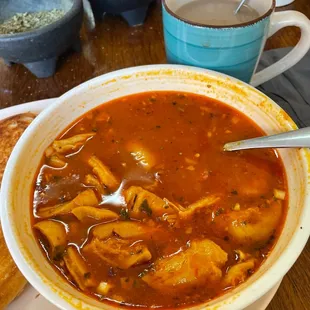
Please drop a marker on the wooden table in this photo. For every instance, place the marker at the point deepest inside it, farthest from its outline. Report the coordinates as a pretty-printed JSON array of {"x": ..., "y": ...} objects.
[{"x": 113, "y": 45}]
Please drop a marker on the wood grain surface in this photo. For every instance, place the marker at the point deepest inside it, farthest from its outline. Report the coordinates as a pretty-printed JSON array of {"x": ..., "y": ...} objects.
[{"x": 113, "y": 45}]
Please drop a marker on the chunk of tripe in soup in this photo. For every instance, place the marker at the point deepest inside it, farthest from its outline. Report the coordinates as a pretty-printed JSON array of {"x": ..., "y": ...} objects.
[
  {"x": 200, "y": 263},
  {"x": 125, "y": 230},
  {"x": 141, "y": 202},
  {"x": 85, "y": 198},
  {"x": 252, "y": 225},
  {"x": 119, "y": 253}
]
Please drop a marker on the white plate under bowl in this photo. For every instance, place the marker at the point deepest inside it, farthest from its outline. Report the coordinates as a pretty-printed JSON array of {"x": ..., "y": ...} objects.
[{"x": 30, "y": 299}]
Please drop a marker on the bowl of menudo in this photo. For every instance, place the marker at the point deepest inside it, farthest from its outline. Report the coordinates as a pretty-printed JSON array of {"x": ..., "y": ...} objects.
[{"x": 120, "y": 194}]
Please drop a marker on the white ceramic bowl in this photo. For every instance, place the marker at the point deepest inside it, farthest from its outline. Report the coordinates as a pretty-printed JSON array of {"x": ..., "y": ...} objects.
[{"x": 24, "y": 161}]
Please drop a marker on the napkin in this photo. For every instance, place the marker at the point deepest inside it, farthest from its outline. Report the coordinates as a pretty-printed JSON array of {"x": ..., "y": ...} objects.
[{"x": 291, "y": 90}]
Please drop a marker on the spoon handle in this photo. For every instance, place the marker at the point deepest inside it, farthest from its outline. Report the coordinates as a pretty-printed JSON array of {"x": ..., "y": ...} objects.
[
  {"x": 239, "y": 6},
  {"x": 295, "y": 138}
]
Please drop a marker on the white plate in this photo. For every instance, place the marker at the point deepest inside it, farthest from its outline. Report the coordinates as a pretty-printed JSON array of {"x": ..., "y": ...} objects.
[{"x": 30, "y": 299}]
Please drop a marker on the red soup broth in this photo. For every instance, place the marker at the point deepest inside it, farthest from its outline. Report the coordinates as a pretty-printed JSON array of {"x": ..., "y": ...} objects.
[{"x": 137, "y": 204}]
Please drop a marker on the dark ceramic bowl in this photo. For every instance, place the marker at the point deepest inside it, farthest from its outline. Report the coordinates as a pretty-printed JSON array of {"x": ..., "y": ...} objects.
[
  {"x": 134, "y": 11},
  {"x": 38, "y": 50}
]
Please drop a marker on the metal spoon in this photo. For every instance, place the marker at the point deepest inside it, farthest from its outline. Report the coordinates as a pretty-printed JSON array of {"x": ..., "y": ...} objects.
[
  {"x": 296, "y": 138},
  {"x": 239, "y": 6}
]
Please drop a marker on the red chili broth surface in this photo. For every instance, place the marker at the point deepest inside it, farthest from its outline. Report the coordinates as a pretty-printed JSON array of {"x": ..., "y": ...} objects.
[{"x": 181, "y": 136}]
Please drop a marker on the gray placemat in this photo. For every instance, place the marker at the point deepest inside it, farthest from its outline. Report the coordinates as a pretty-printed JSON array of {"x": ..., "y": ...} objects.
[{"x": 291, "y": 90}]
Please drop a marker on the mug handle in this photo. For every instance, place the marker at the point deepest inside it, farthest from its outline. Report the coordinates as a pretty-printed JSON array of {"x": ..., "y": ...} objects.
[{"x": 281, "y": 20}]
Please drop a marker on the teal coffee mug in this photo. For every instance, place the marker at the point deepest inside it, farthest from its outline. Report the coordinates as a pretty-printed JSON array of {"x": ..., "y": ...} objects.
[{"x": 234, "y": 50}]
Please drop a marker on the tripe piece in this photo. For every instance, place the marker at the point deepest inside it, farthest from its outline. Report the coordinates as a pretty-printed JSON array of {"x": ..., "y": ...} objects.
[
  {"x": 200, "y": 263},
  {"x": 125, "y": 230},
  {"x": 85, "y": 198},
  {"x": 93, "y": 181},
  {"x": 79, "y": 269},
  {"x": 103, "y": 173},
  {"x": 56, "y": 235},
  {"x": 141, "y": 202},
  {"x": 119, "y": 253},
  {"x": 84, "y": 212},
  {"x": 254, "y": 224},
  {"x": 71, "y": 144}
]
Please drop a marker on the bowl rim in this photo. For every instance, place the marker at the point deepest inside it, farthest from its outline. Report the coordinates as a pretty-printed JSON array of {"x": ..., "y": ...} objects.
[
  {"x": 77, "y": 6},
  {"x": 257, "y": 289}
]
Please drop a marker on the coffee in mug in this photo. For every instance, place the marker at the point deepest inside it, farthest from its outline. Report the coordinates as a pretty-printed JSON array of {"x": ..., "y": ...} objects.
[{"x": 216, "y": 12}]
